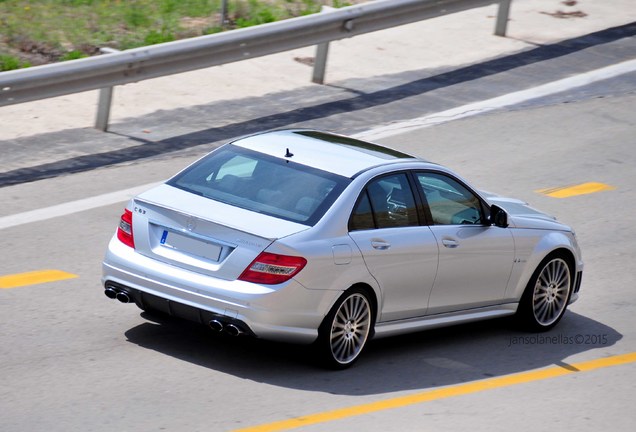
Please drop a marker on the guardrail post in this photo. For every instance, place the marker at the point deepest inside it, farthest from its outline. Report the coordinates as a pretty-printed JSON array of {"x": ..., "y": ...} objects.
[
  {"x": 320, "y": 63},
  {"x": 502, "y": 17},
  {"x": 105, "y": 100},
  {"x": 223, "y": 13},
  {"x": 320, "y": 60}
]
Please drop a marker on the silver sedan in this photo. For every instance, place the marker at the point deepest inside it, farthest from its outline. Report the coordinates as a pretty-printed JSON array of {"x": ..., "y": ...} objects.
[{"x": 311, "y": 237}]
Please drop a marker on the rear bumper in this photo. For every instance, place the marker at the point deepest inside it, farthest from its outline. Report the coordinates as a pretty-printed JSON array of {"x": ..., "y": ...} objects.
[
  {"x": 150, "y": 302},
  {"x": 287, "y": 312}
]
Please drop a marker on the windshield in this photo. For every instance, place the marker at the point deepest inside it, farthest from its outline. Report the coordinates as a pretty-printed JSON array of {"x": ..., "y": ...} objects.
[{"x": 263, "y": 184}]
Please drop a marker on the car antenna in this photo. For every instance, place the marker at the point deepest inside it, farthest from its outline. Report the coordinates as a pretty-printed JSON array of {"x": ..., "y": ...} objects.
[{"x": 288, "y": 154}]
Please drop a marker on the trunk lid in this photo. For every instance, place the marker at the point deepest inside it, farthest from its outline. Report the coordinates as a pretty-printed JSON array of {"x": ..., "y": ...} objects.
[{"x": 200, "y": 234}]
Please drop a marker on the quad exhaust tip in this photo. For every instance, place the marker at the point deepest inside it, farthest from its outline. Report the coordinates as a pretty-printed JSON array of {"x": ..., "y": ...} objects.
[
  {"x": 230, "y": 329},
  {"x": 216, "y": 325},
  {"x": 121, "y": 295}
]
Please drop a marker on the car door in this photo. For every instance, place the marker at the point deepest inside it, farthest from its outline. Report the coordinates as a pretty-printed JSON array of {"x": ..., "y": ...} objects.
[
  {"x": 475, "y": 257},
  {"x": 399, "y": 251}
]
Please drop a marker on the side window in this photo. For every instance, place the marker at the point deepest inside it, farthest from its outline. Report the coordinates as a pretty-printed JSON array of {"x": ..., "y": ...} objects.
[
  {"x": 362, "y": 216},
  {"x": 450, "y": 203},
  {"x": 385, "y": 203}
]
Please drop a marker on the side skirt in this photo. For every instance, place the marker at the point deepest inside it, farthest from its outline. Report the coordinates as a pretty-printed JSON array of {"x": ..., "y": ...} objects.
[{"x": 392, "y": 328}]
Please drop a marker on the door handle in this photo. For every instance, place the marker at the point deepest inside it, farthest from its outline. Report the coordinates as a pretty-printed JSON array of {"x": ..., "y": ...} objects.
[
  {"x": 450, "y": 243},
  {"x": 379, "y": 245}
]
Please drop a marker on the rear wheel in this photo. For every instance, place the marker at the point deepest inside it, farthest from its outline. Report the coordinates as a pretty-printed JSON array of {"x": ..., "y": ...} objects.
[
  {"x": 547, "y": 295},
  {"x": 345, "y": 330}
]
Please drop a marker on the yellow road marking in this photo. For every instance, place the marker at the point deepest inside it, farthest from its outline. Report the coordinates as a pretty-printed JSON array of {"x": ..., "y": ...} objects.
[
  {"x": 33, "y": 278},
  {"x": 581, "y": 189},
  {"x": 442, "y": 393}
]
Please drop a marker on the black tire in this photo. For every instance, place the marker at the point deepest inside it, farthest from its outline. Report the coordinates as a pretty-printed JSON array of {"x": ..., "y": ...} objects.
[
  {"x": 547, "y": 294},
  {"x": 345, "y": 330}
]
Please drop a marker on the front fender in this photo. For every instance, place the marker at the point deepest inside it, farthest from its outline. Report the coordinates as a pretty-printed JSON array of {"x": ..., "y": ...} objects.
[{"x": 531, "y": 247}]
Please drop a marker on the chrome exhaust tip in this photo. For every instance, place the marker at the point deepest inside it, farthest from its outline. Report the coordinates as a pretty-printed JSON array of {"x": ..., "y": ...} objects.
[
  {"x": 232, "y": 330},
  {"x": 123, "y": 297},
  {"x": 216, "y": 325},
  {"x": 110, "y": 293}
]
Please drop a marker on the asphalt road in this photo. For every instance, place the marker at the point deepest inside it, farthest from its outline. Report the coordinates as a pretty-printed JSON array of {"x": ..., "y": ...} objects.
[{"x": 72, "y": 360}]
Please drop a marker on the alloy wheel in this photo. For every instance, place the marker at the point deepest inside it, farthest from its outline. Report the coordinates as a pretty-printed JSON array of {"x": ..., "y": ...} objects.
[
  {"x": 551, "y": 292},
  {"x": 350, "y": 328}
]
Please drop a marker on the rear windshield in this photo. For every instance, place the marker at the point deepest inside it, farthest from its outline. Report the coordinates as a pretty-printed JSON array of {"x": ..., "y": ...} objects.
[{"x": 263, "y": 184}]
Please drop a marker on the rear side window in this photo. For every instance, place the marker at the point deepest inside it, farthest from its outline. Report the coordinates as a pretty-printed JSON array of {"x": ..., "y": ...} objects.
[
  {"x": 362, "y": 217},
  {"x": 263, "y": 184},
  {"x": 386, "y": 202}
]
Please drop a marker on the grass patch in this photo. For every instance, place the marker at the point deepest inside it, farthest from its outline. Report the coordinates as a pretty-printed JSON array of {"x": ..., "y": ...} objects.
[
  {"x": 73, "y": 55},
  {"x": 43, "y": 31},
  {"x": 8, "y": 62}
]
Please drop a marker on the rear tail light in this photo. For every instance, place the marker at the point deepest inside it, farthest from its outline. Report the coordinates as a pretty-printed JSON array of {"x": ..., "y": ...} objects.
[
  {"x": 125, "y": 230},
  {"x": 271, "y": 269}
]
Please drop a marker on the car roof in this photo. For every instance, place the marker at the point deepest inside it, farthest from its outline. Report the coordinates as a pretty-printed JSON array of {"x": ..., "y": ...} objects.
[{"x": 329, "y": 152}]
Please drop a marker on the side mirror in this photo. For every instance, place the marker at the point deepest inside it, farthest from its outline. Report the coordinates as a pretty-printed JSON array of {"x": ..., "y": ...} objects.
[{"x": 498, "y": 216}]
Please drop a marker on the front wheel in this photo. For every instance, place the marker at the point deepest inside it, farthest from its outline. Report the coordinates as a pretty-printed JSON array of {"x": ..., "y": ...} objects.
[
  {"x": 547, "y": 295},
  {"x": 345, "y": 330}
]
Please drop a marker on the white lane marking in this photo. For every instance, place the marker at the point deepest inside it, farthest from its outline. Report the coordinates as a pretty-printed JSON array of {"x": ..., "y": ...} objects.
[
  {"x": 72, "y": 207},
  {"x": 499, "y": 102},
  {"x": 372, "y": 134}
]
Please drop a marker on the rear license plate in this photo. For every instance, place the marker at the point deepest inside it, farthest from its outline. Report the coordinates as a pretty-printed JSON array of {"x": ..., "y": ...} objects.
[{"x": 190, "y": 245}]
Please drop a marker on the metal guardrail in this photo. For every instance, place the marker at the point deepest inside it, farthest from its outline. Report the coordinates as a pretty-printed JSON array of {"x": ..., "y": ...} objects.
[{"x": 143, "y": 63}]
